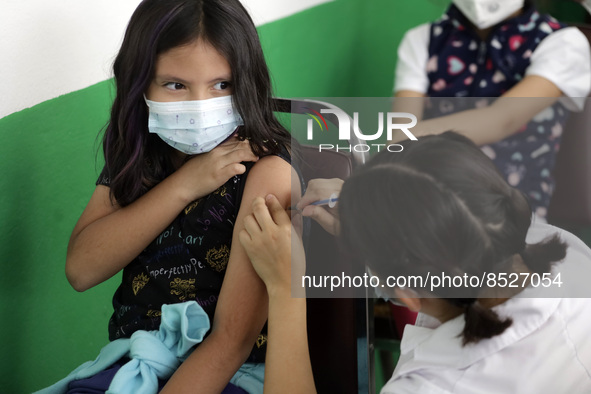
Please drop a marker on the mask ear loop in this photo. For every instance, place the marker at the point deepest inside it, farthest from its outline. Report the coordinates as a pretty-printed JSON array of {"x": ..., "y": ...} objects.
[{"x": 382, "y": 294}]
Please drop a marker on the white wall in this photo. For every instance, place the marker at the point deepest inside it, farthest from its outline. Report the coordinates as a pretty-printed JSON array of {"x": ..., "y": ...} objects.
[{"x": 52, "y": 48}]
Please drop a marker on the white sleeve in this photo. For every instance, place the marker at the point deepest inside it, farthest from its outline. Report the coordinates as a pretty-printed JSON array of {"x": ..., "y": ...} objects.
[
  {"x": 412, "y": 384},
  {"x": 564, "y": 59},
  {"x": 413, "y": 53}
]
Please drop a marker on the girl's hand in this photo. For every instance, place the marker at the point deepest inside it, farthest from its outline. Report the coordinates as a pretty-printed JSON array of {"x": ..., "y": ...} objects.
[
  {"x": 321, "y": 189},
  {"x": 204, "y": 173},
  {"x": 272, "y": 244}
]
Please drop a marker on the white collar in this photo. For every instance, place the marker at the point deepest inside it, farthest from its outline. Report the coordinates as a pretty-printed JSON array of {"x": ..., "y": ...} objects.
[{"x": 442, "y": 346}]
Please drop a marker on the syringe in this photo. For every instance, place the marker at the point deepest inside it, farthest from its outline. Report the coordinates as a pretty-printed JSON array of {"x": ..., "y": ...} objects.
[{"x": 331, "y": 202}]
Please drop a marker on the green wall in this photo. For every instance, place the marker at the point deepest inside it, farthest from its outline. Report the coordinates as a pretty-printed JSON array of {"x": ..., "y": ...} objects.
[
  {"x": 47, "y": 156},
  {"x": 49, "y": 163},
  {"x": 47, "y": 159},
  {"x": 342, "y": 49}
]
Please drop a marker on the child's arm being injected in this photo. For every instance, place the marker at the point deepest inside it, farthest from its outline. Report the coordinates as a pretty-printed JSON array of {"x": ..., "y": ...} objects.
[
  {"x": 276, "y": 251},
  {"x": 107, "y": 237},
  {"x": 241, "y": 310},
  {"x": 484, "y": 125}
]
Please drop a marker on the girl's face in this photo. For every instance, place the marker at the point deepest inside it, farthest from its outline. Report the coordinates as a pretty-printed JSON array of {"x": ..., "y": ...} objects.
[{"x": 196, "y": 71}]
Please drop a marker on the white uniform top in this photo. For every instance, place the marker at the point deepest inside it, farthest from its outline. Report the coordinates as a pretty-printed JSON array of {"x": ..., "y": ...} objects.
[
  {"x": 563, "y": 58},
  {"x": 547, "y": 349}
]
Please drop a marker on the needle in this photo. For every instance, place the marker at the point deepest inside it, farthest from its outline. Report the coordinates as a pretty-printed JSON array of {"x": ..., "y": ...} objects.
[{"x": 331, "y": 202}]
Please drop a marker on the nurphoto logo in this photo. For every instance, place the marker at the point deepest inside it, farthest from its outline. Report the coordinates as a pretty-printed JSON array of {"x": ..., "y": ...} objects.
[{"x": 393, "y": 124}]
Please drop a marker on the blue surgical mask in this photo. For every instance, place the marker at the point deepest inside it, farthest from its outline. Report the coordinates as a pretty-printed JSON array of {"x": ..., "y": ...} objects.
[{"x": 194, "y": 126}]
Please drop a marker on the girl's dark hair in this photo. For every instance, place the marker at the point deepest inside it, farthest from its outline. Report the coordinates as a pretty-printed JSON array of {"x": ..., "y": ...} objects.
[
  {"x": 439, "y": 206},
  {"x": 137, "y": 160}
]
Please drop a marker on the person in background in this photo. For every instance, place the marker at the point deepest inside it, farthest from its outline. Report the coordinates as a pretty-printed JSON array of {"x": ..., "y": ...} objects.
[
  {"x": 502, "y": 48},
  {"x": 439, "y": 205}
]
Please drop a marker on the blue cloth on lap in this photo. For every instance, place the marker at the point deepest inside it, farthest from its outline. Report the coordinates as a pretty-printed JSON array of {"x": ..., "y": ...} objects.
[{"x": 154, "y": 354}]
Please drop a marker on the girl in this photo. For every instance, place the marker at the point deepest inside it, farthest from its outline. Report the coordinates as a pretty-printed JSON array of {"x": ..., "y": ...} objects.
[
  {"x": 167, "y": 208},
  {"x": 501, "y": 48},
  {"x": 448, "y": 210}
]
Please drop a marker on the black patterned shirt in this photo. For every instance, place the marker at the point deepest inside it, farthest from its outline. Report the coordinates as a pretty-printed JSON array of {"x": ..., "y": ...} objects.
[{"x": 187, "y": 261}]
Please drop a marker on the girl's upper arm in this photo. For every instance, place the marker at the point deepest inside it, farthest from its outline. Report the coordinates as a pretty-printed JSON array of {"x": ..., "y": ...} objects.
[{"x": 243, "y": 298}]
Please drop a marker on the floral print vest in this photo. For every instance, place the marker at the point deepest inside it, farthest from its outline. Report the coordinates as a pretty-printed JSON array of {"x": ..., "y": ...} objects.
[{"x": 462, "y": 65}]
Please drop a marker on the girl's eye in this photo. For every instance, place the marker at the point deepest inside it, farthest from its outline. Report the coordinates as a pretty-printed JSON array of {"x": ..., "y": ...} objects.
[
  {"x": 222, "y": 85},
  {"x": 174, "y": 86}
]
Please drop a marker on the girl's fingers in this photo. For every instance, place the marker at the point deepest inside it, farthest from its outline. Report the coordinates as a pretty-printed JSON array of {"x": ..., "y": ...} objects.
[
  {"x": 236, "y": 151},
  {"x": 233, "y": 169},
  {"x": 240, "y": 153}
]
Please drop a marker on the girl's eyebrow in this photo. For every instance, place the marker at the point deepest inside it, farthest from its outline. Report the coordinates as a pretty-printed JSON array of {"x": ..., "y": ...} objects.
[
  {"x": 172, "y": 78},
  {"x": 221, "y": 79}
]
